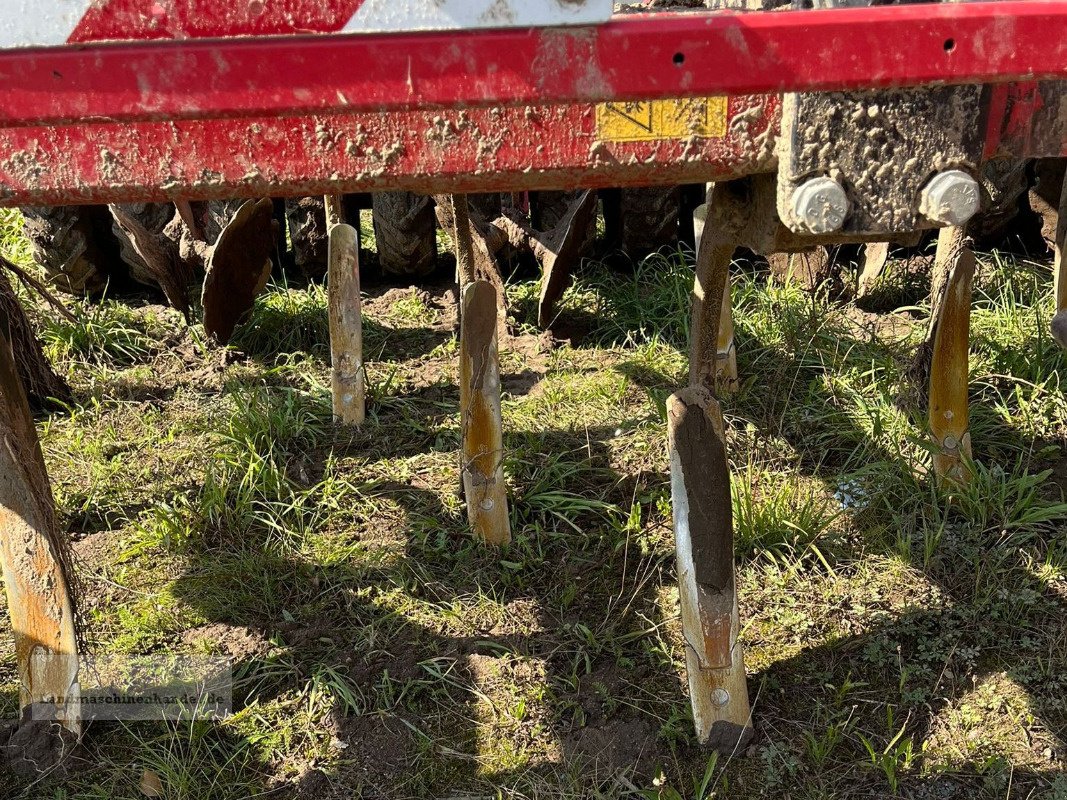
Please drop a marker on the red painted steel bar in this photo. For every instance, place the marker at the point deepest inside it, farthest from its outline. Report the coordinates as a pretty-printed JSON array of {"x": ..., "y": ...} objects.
[
  {"x": 631, "y": 57},
  {"x": 475, "y": 150},
  {"x": 479, "y": 150}
]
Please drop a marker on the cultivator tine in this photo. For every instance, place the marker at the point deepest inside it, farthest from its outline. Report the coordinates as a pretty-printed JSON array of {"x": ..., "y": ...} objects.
[
  {"x": 346, "y": 325},
  {"x": 475, "y": 243},
  {"x": 238, "y": 268},
  {"x": 950, "y": 328},
  {"x": 559, "y": 250},
  {"x": 42, "y": 384},
  {"x": 161, "y": 257},
  {"x": 480, "y": 419},
  {"x": 875, "y": 259},
  {"x": 34, "y": 562},
  {"x": 725, "y": 371},
  {"x": 1059, "y": 322},
  {"x": 726, "y": 380},
  {"x": 703, "y": 531},
  {"x": 462, "y": 239},
  {"x": 481, "y": 427},
  {"x": 335, "y": 214},
  {"x": 700, "y": 486},
  {"x": 712, "y": 356},
  {"x": 188, "y": 216}
]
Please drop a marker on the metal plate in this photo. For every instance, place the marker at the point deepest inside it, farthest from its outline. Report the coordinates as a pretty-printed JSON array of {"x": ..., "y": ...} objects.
[
  {"x": 35, "y": 23},
  {"x": 881, "y": 147}
]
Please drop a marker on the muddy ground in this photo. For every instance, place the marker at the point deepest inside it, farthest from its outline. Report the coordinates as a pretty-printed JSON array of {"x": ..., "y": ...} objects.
[{"x": 900, "y": 641}]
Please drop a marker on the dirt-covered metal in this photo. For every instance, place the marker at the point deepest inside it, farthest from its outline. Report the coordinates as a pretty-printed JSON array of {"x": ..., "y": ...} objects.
[
  {"x": 640, "y": 100},
  {"x": 215, "y": 119}
]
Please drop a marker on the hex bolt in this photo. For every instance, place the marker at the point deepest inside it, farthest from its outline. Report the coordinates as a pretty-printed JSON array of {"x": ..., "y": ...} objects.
[
  {"x": 950, "y": 197},
  {"x": 820, "y": 205}
]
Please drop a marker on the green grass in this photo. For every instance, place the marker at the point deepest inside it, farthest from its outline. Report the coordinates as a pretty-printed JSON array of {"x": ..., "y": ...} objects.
[
  {"x": 287, "y": 320},
  {"x": 900, "y": 640}
]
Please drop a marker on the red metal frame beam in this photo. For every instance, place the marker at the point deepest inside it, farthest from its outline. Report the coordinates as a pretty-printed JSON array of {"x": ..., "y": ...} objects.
[
  {"x": 632, "y": 57},
  {"x": 480, "y": 150}
]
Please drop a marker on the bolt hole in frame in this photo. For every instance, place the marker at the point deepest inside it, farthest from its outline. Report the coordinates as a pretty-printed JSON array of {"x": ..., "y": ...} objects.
[{"x": 950, "y": 45}]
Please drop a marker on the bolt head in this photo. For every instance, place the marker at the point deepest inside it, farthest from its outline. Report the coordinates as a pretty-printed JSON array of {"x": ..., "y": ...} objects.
[
  {"x": 720, "y": 697},
  {"x": 820, "y": 206},
  {"x": 951, "y": 197}
]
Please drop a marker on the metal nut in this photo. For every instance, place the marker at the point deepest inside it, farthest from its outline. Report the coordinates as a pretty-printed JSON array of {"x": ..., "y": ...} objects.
[
  {"x": 950, "y": 197},
  {"x": 820, "y": 205}
]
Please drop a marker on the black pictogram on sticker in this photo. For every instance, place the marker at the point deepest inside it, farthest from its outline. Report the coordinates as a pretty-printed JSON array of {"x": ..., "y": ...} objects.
[{"x": 640, "y": 114}]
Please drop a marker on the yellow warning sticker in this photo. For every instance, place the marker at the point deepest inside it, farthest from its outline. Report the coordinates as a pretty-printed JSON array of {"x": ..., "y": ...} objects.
[{"x": 646, "y": 121}]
